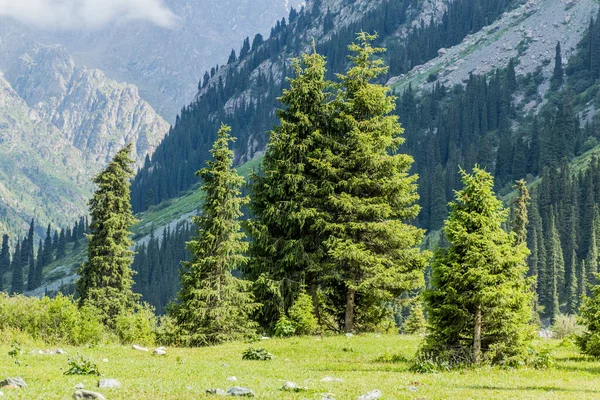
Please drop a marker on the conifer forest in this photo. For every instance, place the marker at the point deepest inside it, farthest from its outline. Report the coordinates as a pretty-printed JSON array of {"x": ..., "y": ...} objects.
[{"x": 387, "y": 199}]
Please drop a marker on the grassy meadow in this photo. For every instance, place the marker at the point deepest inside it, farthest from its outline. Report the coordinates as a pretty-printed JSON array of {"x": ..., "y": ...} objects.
[{"x": 363, "y": 363}]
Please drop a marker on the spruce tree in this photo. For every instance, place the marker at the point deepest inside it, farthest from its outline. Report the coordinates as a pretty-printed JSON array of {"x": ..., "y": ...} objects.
[
  {"x": 370, "y": 198},
  {"x": 31, "y": 257},
  {"x": 520, "y": 220},
  {"x": 555, "y": 270},
  {"x": 582, "y": 286},
  {"x": 285, "y": 249},
  {"x": 415, "y": 324},
  {"x": 4, "y": 259},
  {"x": 214, "y": 306},
  {"x": 558, "y": 74},
  {"x": 573, "y": 295},
  {"x": 480, "y": 303},
  {"x": 16, "y": 283},
  {"x": 106, "y": 278}
]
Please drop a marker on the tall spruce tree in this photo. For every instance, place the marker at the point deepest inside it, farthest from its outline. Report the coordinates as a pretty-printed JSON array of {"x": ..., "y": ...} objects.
[
  {"x": 31, "y": 283},
  {"x": 106, "y": 278},
  {"x": 4, "y": 259},
  {"x": 370, "y": 198},
  {"x": 480, "y": 303},
  {"x": 214, "y": 306},
  {"x": 16, "y": 283},
  {"x": 558, "y": 76},
  {"x": 286, "y": 251},
  {"x": 555, "y": 270},
  {"x": 520, "y": 220}
]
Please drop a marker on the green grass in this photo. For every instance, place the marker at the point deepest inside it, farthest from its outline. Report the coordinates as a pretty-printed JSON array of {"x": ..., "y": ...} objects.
[{"x": 187, "y": 373}]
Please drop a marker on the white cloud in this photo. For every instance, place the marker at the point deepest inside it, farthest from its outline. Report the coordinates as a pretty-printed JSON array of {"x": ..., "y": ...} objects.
[{"x": 91, "y": 14}]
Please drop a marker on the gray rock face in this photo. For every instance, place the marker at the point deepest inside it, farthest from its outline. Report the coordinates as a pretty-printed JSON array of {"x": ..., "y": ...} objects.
[
  {"x": 240, "y": 391},
  {"x": 109, "y": 383},
  {"x": 15, "y": 382},
  {"x": 87, "y": 395},
  {"x": 374, "y": 395}
]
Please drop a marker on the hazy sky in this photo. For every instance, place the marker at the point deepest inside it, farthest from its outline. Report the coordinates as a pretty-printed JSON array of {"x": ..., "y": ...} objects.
[{"x": 92, "y": 14}]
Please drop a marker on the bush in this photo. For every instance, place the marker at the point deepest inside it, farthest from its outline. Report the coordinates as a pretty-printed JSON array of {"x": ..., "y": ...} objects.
[
  {"x": 302, "y": 315},
  {"x": 259, "y": 354},
  {"x": 565, "y": 326},
  {"x": 53, "y": 320},
  {"x": 82, "y": 366},
  {"x": 139, "y": 327},
  {"x": 284, "y": 327}
]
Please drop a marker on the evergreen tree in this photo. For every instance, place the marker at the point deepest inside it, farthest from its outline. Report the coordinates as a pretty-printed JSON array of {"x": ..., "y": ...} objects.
[
  {"x": 589, "y": 341},
  {"x": 4, "y": 259},
  {"x": 582, "y": 285},
  {"x": 214, "y": 306},
  {"x": 415, "y": 324},
  {"x": 558, "y": 74},
  {"x": 592, "y": 258},
  {"x": 47, "y": 256},
  {"x": 555, "y": 270},
  {"x": 106, "y": 278},
  {"x": 16, "y": 284},
  {"x": 520, "y": 220},
  {"x": 481, "y": 303},
  {"x": 61, "y": 248},
  {"x": 31, "y": 257},
  {"x": 573, "y": 295},
  {"x": 373, "y": 251},
  {"x": 285, "y": 249}
]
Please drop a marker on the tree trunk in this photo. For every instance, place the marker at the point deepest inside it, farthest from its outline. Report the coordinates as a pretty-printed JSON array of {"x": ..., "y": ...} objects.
[
  {"x": 349, "y": 320},
  {"x": 477, "y": 336}
]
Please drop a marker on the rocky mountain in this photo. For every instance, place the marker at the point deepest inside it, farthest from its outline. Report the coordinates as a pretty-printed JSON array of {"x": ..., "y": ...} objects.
[
  {"x": 165, "y": 63},
  {"x": 60, "y": 124}
]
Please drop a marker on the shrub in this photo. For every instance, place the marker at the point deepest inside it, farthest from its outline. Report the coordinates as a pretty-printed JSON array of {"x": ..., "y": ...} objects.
[
  {"x": 82, "y": 366},
  {"x": 542, "y": 359},
  {"x": 138, "y": 327},
  {"x": 415, "y": 324},
  {"x": 53, "y": 320},
  {"x": 302, "y": 315},
  {"x": 284, "y": 327},
  {"x": 259, "y": 354},
  {"x": 565, "y": 326}
]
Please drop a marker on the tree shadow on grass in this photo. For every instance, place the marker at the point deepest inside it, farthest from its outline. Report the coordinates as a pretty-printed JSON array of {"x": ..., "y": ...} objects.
[{"x": 529, "y": 388}]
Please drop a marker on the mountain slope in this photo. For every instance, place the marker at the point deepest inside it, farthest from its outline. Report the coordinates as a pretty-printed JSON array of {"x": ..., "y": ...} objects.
[
  {"x": 60, "y": 124},
  {"x": 164, "y": 63}
]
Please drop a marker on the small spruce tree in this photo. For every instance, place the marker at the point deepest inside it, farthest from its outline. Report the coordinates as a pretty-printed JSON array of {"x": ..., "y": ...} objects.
[
  {"x": 480, "y": 304},
  {"x": 106, "y": 278},
  {"x": 415, "y": 324},
  {"x": 214, "y": 306}
]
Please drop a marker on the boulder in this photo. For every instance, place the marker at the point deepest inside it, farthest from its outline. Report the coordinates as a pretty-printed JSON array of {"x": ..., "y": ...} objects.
[
  {"x": 218, "y": 392},
  {"x": 109, "y": 383},
  {"x": 374, "y": 395},
  {"x": 159, "y": 352},
  {"x": 292, "y": 387},
  {"x": 331, "y": 379},
  {"x": 13, "y": 382},
  {"x": 87, "y": 395},
  {"x": 240, "y": 391},
  {"x": 79, "y": 386}
]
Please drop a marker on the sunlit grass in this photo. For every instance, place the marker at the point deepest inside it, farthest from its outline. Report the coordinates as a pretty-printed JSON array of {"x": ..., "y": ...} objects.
[{"x": 359, "y": 361}]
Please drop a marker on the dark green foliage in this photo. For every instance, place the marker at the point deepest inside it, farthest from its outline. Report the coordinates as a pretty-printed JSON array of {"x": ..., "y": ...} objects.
[
  {"x": 589, "y": 342},
  {"x": 16, "y": 284},
  {"x": 214, "y": 306},
  {"x": 286, "y": 248},
  {"x": 520, "y": 220},
  {"x": 480, "y": 303},
  {"x": 4, "y": 260},
  {"x": 258, "y": 354},
  {"x": 558, "y": 74},
  {"x": 106, "y": 278}
]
